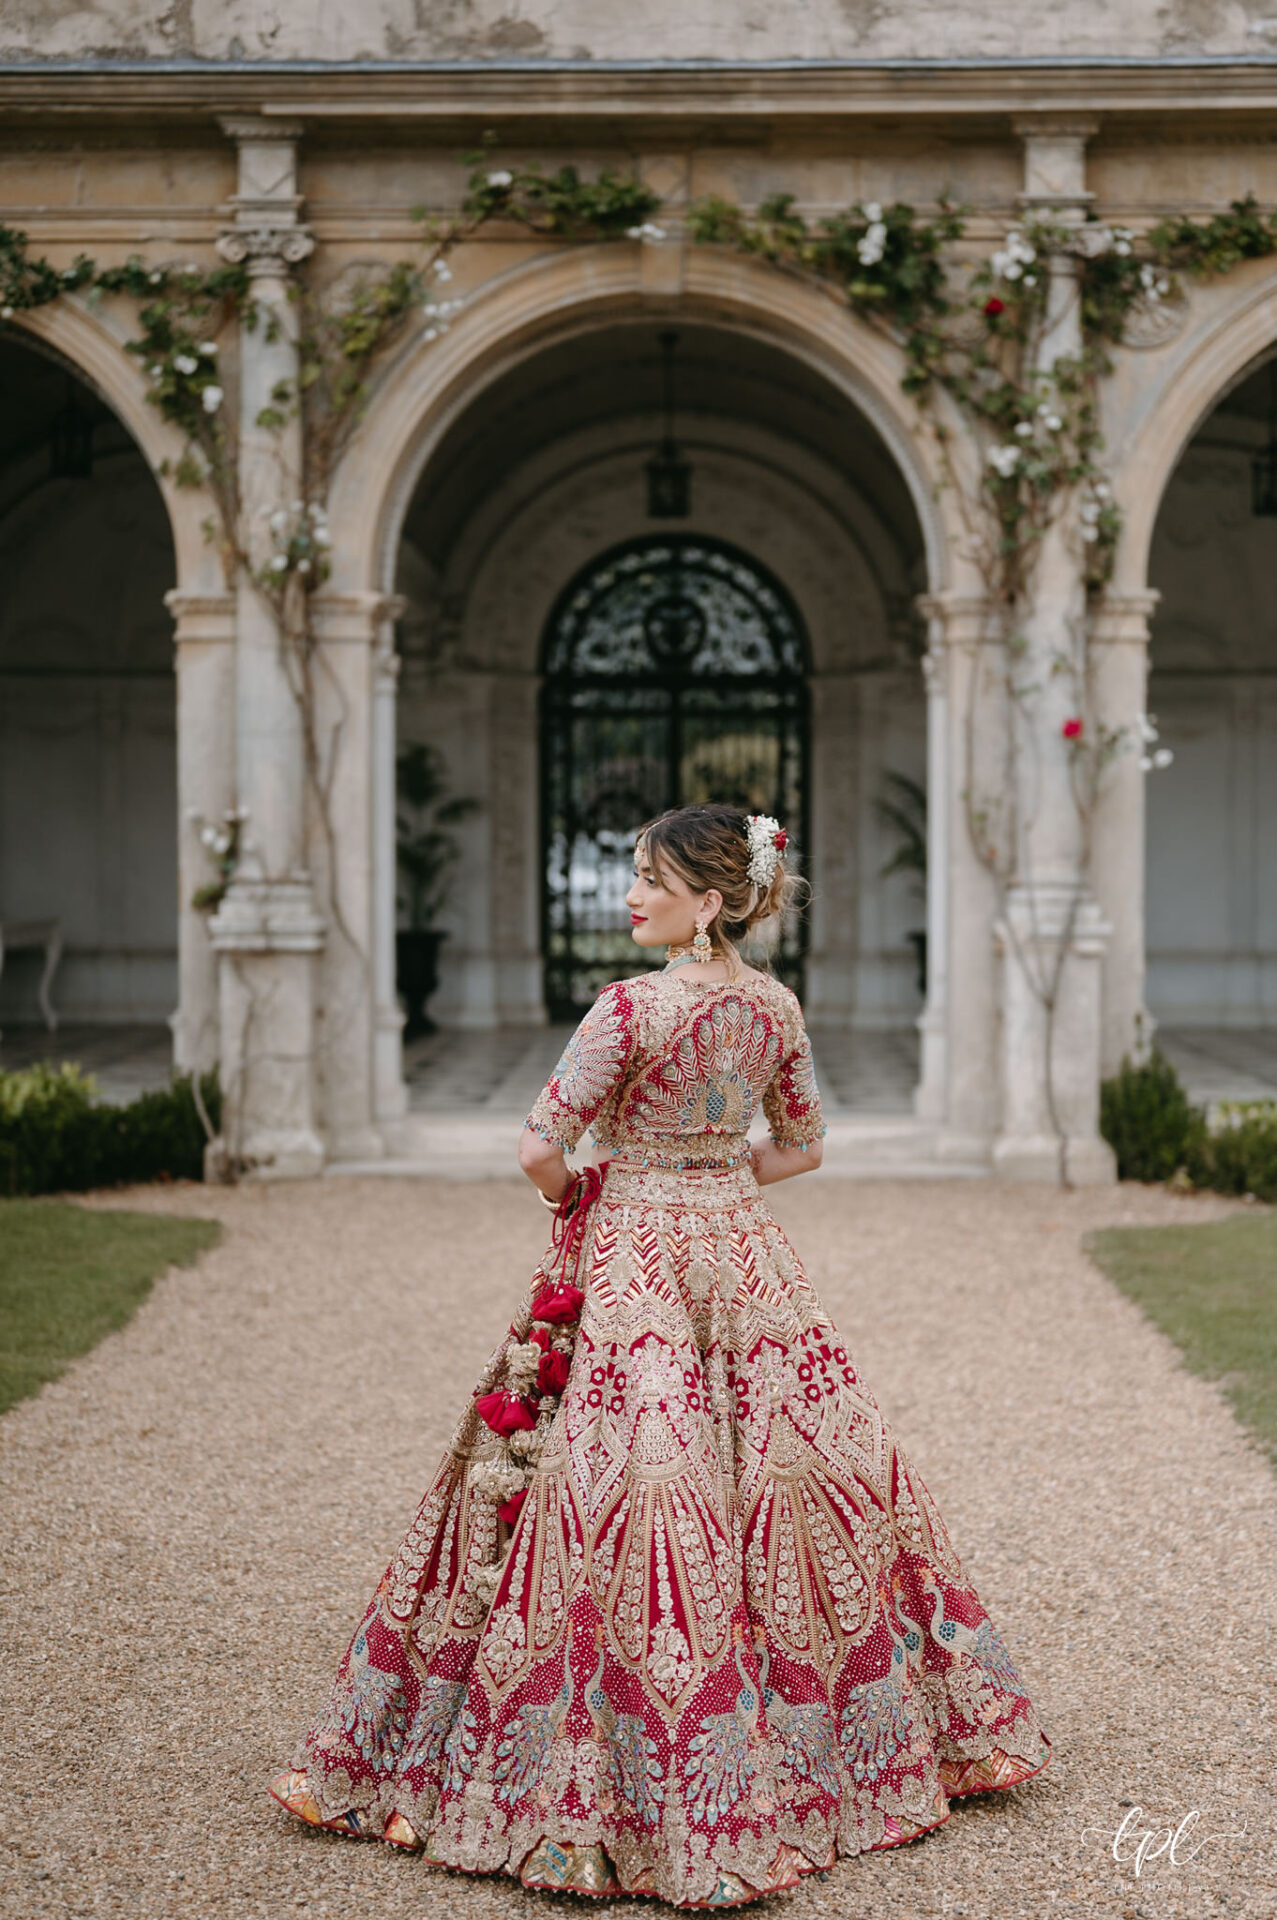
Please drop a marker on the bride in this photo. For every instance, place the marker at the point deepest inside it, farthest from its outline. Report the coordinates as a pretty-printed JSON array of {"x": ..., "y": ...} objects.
[{"x": 677, "y": 1615}]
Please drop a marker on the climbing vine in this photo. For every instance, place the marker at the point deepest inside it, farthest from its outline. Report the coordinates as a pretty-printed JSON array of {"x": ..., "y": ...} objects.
[
  {"x": 343, "y": 332},
  {"x": 976, "y": 330},
  {"x": 980, "y": 332}
]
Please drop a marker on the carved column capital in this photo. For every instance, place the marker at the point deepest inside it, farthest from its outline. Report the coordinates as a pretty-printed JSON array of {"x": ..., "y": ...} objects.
[
  {"x": 267, "y": 234},
  {"x": 266, "y": 250}
]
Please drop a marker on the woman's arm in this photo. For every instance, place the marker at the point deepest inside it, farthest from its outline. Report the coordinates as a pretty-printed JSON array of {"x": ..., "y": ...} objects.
[
  {"x": 773, "y": 1162},
  {"x": 544, "y": 1164}
]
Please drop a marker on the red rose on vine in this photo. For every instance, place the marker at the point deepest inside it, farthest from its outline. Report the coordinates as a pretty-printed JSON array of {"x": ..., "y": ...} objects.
[{"x": 1072, "y": 728}]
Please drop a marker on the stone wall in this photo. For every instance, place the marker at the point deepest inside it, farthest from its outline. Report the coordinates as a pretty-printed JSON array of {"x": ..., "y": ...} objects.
[{"x": 585, "y": 30}]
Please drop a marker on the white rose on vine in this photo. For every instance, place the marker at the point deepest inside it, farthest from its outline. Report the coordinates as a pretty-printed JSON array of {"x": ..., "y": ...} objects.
[{"x": 1004, "y": 460}]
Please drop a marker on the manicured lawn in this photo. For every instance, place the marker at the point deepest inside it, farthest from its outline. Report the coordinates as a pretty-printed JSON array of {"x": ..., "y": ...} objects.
[
  {"x": 69, "y": 1275},
  {"x": 1213, "y": 1290}
]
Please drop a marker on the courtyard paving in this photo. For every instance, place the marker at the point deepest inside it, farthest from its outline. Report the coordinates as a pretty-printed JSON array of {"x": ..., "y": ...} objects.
[{"x": 194, "y": 1516}]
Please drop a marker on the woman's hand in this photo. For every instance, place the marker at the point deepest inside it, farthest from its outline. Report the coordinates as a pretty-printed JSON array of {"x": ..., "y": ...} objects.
[
  {"x": 772, "y": 1162},
  {"x": 545, "y": 1165}
]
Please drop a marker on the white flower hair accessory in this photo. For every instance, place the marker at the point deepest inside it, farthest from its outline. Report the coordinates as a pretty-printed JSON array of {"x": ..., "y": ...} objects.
[{"x": 767, "y": 842}]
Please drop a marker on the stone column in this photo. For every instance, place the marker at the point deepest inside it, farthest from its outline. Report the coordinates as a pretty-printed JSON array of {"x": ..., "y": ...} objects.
[
  {"x": 1119, "y": 641},
  {"x": 957, "y": 1090},
  {"x": 1050, "y": 893},
  {"x": 268, "y": 931},
  {"x": 390, "y": 1095},
  {"x": 930, "y": 1096},
  {"x": 357, "y": 1050},
  {"x": 204, "y": 657}
]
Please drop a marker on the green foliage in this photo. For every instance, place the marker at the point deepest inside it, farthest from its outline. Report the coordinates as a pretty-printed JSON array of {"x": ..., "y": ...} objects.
[
  {"x": 56, "y": 1136},
  {"x": 425, "y": 848},
  {"x": 1157, "y": 1133},
  {"x": 1148, "y": 1119},
  {"x": 26, "y": 283},
  {"x": 560, "y": 203},
  {"x": 70, "y": 1274},
  {"x": 904, "y": 807},
  {"x": 887, "y": 262},
  {"x": 1219, "y": 244},
  {"x": 1238, "y": 1154}
]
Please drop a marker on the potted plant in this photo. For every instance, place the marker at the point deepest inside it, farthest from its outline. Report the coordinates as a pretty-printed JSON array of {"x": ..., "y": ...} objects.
[
  {"x": 426, "y": 852},
  {"x": 904, "y": 807}
]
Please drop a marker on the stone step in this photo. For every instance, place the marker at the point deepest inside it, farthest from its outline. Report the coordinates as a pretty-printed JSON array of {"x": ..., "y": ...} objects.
[{"x": 469, "y": 1145}]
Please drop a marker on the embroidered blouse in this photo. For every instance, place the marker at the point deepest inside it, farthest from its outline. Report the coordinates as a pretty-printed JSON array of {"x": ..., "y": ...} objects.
[{"x": 663, "y": 1063}]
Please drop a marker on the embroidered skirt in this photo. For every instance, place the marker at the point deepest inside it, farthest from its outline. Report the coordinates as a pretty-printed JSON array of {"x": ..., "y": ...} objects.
[{"x": 723, "y": 1637}]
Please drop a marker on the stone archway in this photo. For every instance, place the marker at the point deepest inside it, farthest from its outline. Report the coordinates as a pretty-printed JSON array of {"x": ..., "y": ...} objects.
[
  {"x": 1210, "y": 865},
  {"x": 1160, "y": 402},
  {"x": 87, "y": 708},
  {"x": 562, "y": 303},
  {"x": 92, "y": 346}
]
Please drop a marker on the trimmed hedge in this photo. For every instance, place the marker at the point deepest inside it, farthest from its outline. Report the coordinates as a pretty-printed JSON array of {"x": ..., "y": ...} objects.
[
  {"x": 1238, "y": 1153},
  {"x": 56, "y": 1136},
  {"x": 1148, "y": 1119},
  {"x": 1157, "y": 1133}
]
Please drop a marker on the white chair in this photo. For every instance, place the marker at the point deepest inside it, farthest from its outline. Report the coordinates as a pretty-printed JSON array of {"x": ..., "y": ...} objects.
[{"x": 36, "y": 933}]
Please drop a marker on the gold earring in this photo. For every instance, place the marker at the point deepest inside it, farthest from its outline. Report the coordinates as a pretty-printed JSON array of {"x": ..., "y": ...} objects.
[{"x": 702, "y": 945}]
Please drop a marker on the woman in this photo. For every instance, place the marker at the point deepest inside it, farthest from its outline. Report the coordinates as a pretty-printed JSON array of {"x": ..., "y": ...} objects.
[{"x": 677, "y": 1615}]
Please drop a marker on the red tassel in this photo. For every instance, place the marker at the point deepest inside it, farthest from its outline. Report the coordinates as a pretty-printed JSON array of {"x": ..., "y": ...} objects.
[
  {"x": 509, "y": 1509},
  {"x": 506, "y": 1412},
  {"x": 553, "y": 1370},
  {"x": 559, "y": 1305}
]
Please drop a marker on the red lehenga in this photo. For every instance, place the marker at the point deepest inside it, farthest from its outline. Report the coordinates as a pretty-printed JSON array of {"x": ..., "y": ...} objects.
[{"x": 722, "y": 1637}]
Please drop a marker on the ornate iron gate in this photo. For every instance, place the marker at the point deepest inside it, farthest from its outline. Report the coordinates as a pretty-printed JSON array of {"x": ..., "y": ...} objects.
[{"x": 675, "y": 671}]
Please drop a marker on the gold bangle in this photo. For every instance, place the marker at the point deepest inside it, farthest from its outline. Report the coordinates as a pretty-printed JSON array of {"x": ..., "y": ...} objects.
[{"x": 546, "y": 1201}]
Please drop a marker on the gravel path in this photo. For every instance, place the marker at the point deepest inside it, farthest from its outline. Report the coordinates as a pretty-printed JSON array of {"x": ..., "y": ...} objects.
[{"x": 194, "y": 1516}]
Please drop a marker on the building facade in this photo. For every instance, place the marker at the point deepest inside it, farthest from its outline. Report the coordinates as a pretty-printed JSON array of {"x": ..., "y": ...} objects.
[{"x": 494, "y": 555}]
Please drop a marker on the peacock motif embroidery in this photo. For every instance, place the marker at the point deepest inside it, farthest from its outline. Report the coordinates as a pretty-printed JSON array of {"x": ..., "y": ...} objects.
[
  {"x": 804, "y": 1732},
  {"x": 523, "y": 1754},
  {"x": 632, "y": 1765},
  {"x": 722, "y": 1758},
  {"x": 879, "y": 1719}
]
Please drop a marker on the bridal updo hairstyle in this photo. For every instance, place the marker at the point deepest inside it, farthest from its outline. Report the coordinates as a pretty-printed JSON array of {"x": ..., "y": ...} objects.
[{"x": 708, "y": 846}]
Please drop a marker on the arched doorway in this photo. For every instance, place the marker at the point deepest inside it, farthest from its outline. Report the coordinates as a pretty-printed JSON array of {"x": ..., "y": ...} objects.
[
  {"x": 537, "y": 483},
  {"x": 88, "y": 803},
  {"x": 1211, "y": 867},
  {"x": 675, "y": 671}
]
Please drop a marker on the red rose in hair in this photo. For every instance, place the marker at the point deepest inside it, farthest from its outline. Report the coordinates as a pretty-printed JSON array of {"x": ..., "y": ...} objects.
[
  {"x": 559, "y": 1305},
  {"x": 552, "y": 1373},
  {"x": 1072, "y": 729},
  {"x": 994, "y": 307},
  {"x": 780, "y": 840},
  {"x": 506, "y": 1412},
  {"x": 509, "y": 1509}
]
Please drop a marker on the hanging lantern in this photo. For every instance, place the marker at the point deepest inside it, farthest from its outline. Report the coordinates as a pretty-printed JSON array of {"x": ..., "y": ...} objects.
[
  {"x": 669, "y": 475},
  {"x": 1263, "y": 467},
  {"x": 71, "y": 439}
]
